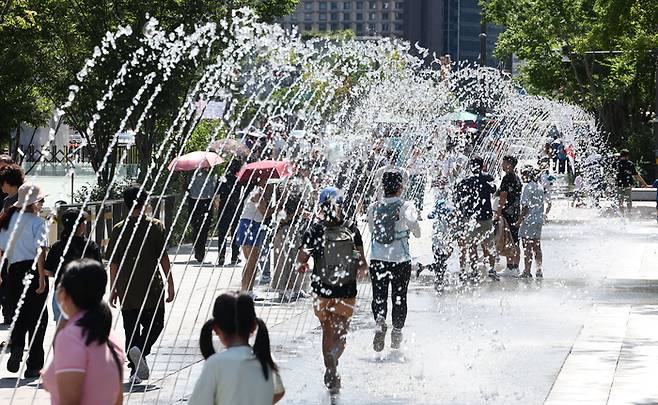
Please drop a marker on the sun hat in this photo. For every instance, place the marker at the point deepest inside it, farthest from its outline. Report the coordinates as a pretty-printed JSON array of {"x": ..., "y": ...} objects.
[{"x": 28, "y": 194}]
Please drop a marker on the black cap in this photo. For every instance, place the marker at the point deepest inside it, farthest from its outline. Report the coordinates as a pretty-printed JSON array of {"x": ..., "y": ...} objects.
[
  {"x": 70, "y": 219},
  {"x": 134, "y": 198}
]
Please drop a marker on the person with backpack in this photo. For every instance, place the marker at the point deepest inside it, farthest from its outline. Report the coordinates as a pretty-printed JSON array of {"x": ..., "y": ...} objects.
[
  {"x": 475, "y": 217},
  {"x": 241, "y": 374},
  {"x": 74, "y": 223},
  {"x": 391, "y": 220},
  {"x": 87, "y": 365},
  {"x": 336, "y": 247}
]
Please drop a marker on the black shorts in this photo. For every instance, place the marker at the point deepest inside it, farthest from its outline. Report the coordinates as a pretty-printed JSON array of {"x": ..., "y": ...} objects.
[{"x": 511, "y": 220}]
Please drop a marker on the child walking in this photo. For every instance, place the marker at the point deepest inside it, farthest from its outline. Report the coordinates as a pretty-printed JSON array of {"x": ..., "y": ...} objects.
[
  {"x": 442, "y": 239},
  {"x": 241, "y": 374}
]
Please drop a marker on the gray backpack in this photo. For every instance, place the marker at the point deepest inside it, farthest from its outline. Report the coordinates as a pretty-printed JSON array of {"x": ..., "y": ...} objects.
[
  {"x": 338, "y": 265},
  {"x": 385, "y": 216}
]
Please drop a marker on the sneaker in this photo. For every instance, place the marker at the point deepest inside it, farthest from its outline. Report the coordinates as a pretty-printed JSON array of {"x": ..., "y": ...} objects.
[
  {"x": 380, "y": 336},
  {"x": 134, "y": 380},
  {"x": 14, "y": 362},
  {"x": 493, "y": 275},
  {"x": 235, "y": 262},
  {"x": 31, "y": 374},
  {"x": 135, "y": 355},
  {"x": 525, "y": 274},
  {"x": 539, "y": 274},
  {"x": 509, "y": 272},
  {"x": 396, "y": 338}
]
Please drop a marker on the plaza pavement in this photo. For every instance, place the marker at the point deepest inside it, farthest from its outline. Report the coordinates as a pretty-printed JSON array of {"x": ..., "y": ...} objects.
[{"x": 588, "y": 333}]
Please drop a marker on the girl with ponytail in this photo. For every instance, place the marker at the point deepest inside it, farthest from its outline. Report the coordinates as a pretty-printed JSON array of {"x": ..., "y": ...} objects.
[
  {"x": 87, "y": 365},
  {"x": 241, "y": 374}
]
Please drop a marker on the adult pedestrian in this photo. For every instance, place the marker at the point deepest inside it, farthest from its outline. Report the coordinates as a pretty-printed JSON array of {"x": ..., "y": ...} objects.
[
  {"x": 626, "y": 175},
  {"x": 336, "y": 247},
  {"x": 5, "y": 160},
  {"x": 509, "y": 208},
  {"x": 24, "y": 242},
  {"x": 74, "y": 224},
  {"x": 250, "y": 234},
  {"x": 229, "y": 197},
  {"x": 531, "y": 221},
  {"x": 87, "y": 365},
  {"x": 391, "y": 220},
  {"x": 242, "y": 374},
  {"x": 475, "y": 219},
  {"x": 137, "y": 252},
  {"x": 199, "y": 203},
  {"x": 11, "y": 179}
]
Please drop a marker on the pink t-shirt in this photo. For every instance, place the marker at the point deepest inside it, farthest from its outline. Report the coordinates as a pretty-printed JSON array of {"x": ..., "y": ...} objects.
[{"x": 102, "y": 378}]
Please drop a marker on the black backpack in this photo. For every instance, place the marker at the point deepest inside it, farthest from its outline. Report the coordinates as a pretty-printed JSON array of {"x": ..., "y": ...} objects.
[{"x": 338, "y": 264}]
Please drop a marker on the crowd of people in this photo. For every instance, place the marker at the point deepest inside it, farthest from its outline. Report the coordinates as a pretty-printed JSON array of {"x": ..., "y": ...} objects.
[{"x": 305, "y": 229}]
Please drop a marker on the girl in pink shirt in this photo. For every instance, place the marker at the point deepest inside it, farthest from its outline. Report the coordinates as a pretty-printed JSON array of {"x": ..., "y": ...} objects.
[{"x": 87, "y": 365}]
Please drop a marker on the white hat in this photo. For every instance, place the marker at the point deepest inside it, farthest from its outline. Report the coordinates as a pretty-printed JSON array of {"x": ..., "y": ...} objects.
[{"x": 28, "y": 194}]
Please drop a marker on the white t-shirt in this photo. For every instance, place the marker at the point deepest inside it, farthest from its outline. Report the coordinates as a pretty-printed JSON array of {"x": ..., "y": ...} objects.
[
  {"x": 235, "y": 377},
  {"x": 31, "y": 234},
  {"x": 250, "y": 210}
]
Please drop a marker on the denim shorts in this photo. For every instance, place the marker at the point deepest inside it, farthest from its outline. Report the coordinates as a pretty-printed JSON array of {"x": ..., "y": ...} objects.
[{"x": 249, "y": 233}]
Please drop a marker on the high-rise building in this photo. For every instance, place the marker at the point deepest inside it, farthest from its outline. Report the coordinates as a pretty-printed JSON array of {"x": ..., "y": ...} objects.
[{"x": 442, "y": 26}]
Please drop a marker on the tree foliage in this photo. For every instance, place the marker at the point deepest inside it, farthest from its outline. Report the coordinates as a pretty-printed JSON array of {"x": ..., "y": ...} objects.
[
  {"x": 594, "y": 52},
  {"x": 56, "y": 37}
]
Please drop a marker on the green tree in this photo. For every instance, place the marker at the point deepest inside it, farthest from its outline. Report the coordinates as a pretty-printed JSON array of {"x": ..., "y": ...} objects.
[
  {"x": 67, "y": 32},
  {"x": 593, "y": 52}
]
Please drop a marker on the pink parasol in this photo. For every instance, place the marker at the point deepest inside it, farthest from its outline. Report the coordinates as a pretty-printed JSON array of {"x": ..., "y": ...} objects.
[
  {"x": 265, "y": 169},
  {"x": 195, "y": 160}
]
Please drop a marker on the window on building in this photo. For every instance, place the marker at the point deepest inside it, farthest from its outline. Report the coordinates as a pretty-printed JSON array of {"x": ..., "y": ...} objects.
[
  {"x": 385, "y": 5},
  {"x": 385, "y": 28},
  {"x": 359, "y": 5},
  {"x": 372, "y": 5},
  {"x": 322, "y": 6},
  {"x": 359, "y": 29},
  {"x": 334, "y": 26},
  {"x": 372, "y": 28},
  {"x": 399, "y": 5},
  {"x": 308, "y": 16},
  {"x": 359, "y": 16},
  {"x": 322, "y": 16},
  {"x": 334, "y": 16},
  {"x": 308, "y": 27},
  {"x": 347, "y": 26},
  {"x": 399, "y": 15},
  {"x": 322, "y": 27},
  {"x": 385, "y": 15},
  {"x": 399, "y": 27},
  {"x": 308, "y": 6},
  {"x": 347, "y": 16},
  {"x": 372, "y": 16},
  {"x": 347, "y": 5},
  {"x": 333, "y": 5}
]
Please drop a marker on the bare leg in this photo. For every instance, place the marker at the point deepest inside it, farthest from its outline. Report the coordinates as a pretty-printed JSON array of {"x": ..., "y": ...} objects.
[
  {"x": 251, "y": 253},
  {"x": 528, "y": 248},
  {"x": 539, "y": 256},
  {"x": 486, "y": 251}
]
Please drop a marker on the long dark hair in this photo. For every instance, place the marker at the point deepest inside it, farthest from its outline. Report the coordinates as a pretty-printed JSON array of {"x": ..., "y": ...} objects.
[
  {"x": 235, "y": 315},
  {"x": 84, "y": 281}
]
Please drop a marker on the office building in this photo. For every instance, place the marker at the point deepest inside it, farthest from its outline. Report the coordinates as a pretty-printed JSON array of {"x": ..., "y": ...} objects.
[{"x": 442, "y": 26}]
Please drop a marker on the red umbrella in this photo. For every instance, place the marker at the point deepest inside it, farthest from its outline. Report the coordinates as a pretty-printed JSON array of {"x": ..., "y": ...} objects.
[
  {"x": 195, "y": 160},
  {"x": 265, "y": 169}
]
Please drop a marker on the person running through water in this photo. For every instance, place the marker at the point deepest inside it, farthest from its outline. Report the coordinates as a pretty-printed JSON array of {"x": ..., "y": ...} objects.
[
  {"x": 336, "y": 247},
  {"x": 242, "y": 374},
  {"x": 531, "y": 221},
  {"x": 509, "y": 208},
  {"x": 391, "y": 220},
  {"x": 442, "y": 239},
  {"x": 473, "y": 200}
]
